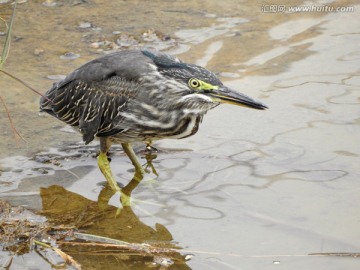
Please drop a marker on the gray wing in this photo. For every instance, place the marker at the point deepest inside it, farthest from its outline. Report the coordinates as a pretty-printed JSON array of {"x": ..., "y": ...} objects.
[{"x": 93, "y": 96}]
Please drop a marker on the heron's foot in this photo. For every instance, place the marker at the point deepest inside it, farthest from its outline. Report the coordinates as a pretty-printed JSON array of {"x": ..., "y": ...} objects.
[
  {"x": 151, "y": 149},
  {"x": 149, "y": 167},
  {"x": 104, "y": 166}
]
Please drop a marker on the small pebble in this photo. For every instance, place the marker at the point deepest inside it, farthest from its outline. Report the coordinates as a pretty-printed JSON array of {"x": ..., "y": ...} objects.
[
  {"x": 69, "y": 56},
  {"x": 55, "y": 77},
  {"x": 56, "y": 163},
  {"x": 96, "y": 28},
  {"x": 166, "y": 38},
  {"x": 95, "y": 45},
  {"x": 210, "y": 15},
  {"x": 16, "y": 38},
  {"x": 38, "y": 52},
  {"x": 229, "y": 75},
  {"x": 43, "y": 171},
  {"x": 5, "y": 169},
  {"x": 42, "y": 159},
  {"x": 85, "y": 25},
  {"x": 49, "y": 3},
  {"x": 125, "y": 41}
]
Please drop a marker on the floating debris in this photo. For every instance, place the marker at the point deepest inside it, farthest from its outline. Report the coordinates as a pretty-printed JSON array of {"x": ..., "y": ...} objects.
[
  {"x": 163, "y": 261},
  {"x": 20, "y": 233},
  {"x": 69, "y": 56},
  {"x": 18, "y": 227},
  {"x": 62, "y": 255}
]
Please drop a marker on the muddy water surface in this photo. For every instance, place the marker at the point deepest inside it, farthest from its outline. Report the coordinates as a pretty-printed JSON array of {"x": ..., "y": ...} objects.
[{"x": 252, "y": 189}]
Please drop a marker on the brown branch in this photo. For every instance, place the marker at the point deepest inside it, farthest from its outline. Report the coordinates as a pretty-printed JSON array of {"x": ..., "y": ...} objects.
[
  {"x": 135, "y": 247},
  {"x": 23, "y": 83},
  {"x": 11, "y": 121},
  {"x": 340, "y": 254}
]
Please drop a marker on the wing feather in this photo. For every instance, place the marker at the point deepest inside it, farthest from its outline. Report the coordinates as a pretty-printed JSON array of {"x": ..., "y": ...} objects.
[{"x": 92, "y": 107}]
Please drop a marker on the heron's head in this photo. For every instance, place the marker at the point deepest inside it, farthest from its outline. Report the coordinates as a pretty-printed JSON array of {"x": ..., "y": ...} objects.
[{"x": 199, "y": 86}]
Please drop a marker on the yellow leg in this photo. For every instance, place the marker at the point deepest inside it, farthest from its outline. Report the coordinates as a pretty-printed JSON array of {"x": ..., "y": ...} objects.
[
  {"x": 104, "y": 163},
  {"x": 139, "y": 170},
  {"x": 104, "y": 166}
]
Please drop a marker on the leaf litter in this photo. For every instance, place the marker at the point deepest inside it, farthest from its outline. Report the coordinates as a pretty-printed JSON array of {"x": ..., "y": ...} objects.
[{"x": 22, "y": 231}]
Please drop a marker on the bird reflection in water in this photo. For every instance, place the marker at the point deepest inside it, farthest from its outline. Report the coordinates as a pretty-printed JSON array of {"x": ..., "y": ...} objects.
[{"x": 99, "y": 218}]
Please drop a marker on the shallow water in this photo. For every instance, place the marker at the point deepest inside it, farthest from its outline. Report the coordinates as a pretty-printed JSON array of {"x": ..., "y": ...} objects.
[{"x": 252, "y": 189}]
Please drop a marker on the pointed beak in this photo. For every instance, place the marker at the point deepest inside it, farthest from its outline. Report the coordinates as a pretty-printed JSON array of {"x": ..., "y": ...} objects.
[{"x": 226, "y": 95}]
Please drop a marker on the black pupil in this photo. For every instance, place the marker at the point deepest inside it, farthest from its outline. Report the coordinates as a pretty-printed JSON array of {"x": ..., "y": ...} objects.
[{"x": 195, "y": 83}]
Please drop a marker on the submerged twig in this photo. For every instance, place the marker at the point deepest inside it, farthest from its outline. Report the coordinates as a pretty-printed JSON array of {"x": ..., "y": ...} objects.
[
  {"x": 318, "y": 254},
  {"x": 106, "y": 242},
  {"x": 338, "y": 254},
  {"x": 72, "y": 173},
  {"x": 7, "y": 264},
  {"x": 67, "y": 258},
  {"x": 97, "y": 238}
]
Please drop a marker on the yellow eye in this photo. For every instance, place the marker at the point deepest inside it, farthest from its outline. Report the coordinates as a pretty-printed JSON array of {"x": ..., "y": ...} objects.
[{"x": 194, "y": 83}]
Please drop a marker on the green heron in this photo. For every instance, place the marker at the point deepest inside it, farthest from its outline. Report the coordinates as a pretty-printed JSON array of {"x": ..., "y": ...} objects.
[{"x": 137, "y": 95}]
